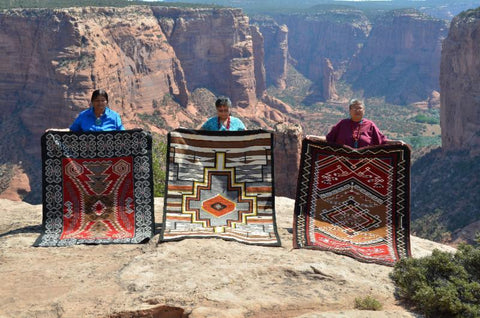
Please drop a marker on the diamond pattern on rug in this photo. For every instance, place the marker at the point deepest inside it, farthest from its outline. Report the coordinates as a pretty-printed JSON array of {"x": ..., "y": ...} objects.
[
  {"x": 97, "y": 188},
  {"x": 220, "y": 185},
  {"x": 354, "y": 201}
]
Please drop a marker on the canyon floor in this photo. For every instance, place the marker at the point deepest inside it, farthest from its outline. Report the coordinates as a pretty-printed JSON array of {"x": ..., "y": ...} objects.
[{"x": 195, "y": 278}]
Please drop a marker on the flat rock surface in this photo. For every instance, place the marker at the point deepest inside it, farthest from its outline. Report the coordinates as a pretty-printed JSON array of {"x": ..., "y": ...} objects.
[{"x": 197, "y": 277}]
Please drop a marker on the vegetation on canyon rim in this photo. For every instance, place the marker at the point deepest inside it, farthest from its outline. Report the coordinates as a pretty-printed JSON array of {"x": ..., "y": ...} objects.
[
  {"x": 443, "y": 284},
  {"x": 10, "y": 4}
]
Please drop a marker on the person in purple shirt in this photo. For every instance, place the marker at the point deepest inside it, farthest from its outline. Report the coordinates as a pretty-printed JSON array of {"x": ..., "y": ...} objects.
[
  {"x": 99, "y": 117},
  {"x": 356, "y": 131}
]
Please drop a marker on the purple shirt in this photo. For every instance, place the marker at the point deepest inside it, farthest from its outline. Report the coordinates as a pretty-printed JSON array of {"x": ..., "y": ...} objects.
[{"x": 344, "y": 131}]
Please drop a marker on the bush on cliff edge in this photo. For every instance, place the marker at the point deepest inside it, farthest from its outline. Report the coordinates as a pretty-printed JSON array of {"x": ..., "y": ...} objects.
[{"x": 443, "y": 284}]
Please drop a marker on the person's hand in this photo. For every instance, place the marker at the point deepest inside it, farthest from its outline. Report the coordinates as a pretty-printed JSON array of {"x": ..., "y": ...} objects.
[
  {"x": 396, "y": 142},
  {"x": 315, "y": 138},
  {"x": 56, "y": 129}
]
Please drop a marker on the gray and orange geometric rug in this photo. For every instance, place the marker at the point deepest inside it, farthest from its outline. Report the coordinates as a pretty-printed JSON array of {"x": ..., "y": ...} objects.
[
  {"x": 354, "y": 202},
  {"x": 97, "y": 188},
  {"x": 220, "y": 185}
]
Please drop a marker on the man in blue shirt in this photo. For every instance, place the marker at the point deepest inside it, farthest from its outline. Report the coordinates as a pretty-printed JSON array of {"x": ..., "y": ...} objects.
[
  {"x": 99, "y": 117},
  {"x": 223, "y": 121}
]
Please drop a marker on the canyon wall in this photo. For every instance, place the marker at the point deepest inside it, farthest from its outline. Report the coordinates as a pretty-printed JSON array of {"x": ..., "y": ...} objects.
[
  {"x": 215, "y": 48},
  {"x": 459, "y": 81},
  {"x": 276, "y": 56},
  {"x": 401, "y": 57},
  {"x": 336, "y": 35},
  {"x": 395, "y": 54},
  {"x": 149, "y": 59}
]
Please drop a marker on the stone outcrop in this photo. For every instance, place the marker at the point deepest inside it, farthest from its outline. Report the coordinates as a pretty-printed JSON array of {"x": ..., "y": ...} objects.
[
  {"x": 401, "y": 57},
  {"x": 215, "y": 49},
  {"x": 149, "y": 59},
  {"x": 333, "y": 34},
  {"x": 276, "y": 56},
  {"x": 394, "y": 54},
  {"x": 259, "y": 65},
  {"x": 53, "y": 59},
  {"x": 287, "y": 151},
  {"x": 459, "y": 78},
  {"x": 328, "y": 81}
]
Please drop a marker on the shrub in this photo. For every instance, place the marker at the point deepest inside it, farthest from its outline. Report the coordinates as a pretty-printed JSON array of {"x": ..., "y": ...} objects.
[
  {"x": 367, "y": 303},
  {"x": 443, "y": 284},
  {"x": 159, "y": 157}
]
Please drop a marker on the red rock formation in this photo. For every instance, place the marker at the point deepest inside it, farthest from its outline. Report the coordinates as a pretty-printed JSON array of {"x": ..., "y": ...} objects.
[
  {"x": 333, "y": 34},
  {"x": 287, "y": 151},
  {"x": 276, "y": 50},
  {"x": 259, "y": 66},
  {"x": 433, "y": 100},
  {"x": 459, "y": 78},
  {"x": 215, "y": 49},
  {"x": 148, "y": 60},
  {"x": 401, "y": 58},
  {"x": 328, "y": 80}
]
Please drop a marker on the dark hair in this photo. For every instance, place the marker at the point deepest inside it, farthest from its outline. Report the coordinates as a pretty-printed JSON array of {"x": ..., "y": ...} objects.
[
  {"x": 223, "y": 101},
  {"x": 99, "y": 92}
]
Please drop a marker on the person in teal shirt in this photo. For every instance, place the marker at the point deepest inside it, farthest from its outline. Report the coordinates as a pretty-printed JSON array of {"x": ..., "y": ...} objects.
[
  {"x": 223, "y": 121},
  {"x": 99, "y": 117}
]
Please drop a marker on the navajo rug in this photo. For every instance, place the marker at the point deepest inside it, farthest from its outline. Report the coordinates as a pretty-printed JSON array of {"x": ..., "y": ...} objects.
[
  {"x": 354, "y": 202},
  {"x": 97, "y": 188},
  {"x": 220, "y": 184}
]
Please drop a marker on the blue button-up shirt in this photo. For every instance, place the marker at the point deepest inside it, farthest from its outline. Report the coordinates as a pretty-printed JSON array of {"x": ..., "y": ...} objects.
[{"x": 87, "y": 121}]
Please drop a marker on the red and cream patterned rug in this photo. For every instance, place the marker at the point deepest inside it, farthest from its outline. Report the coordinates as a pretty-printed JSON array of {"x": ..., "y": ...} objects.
[{"x": 354, "y": 201}]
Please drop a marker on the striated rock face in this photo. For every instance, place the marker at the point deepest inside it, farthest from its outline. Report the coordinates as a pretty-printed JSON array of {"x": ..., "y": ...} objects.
[
  {"x": 149, "y": 59},
  {"x": 328, "y": 79},
  {"x": 53, "y": 59},
  {"x": 459, "y": 81},
  {"x": 276, "y": 56},
  {"x": 287, "y": 152},
  {"x": 334, "y": 34},
  {"x": 215, "y": 49},
  {"x": 259, "y": 54},
  {"x": 401, "y": 57}
]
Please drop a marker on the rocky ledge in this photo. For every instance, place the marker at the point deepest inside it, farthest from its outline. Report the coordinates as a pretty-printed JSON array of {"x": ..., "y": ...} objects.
[{"x": 190, "y": 278}]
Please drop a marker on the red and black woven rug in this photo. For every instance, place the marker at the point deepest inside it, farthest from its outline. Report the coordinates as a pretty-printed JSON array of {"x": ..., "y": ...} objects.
[
  {"x": 220, "y": 185},
  {"x": 97, "y": 188},
  {"x": 354, "y": 202}
]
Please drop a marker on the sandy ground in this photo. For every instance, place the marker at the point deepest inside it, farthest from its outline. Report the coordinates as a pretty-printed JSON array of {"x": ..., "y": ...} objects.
[{"x": 194, "y": 278}]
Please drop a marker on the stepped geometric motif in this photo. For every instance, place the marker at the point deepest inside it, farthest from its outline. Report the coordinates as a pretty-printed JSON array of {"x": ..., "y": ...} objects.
[
  {"x": 97, "y": 188},
  {"x": 220, "y": 185},
  {"x": 354, "y": 201}
]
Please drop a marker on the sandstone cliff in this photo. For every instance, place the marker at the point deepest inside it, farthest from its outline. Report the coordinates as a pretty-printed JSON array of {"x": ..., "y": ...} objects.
[
  {"x": 276, "y": 56},
  {"x": 215, "y": 48},
  {"x": 401, "y": 57},
  {"x": 149, "y": 59},
  {"x": 333, "y": 34},
  {"x": 395, "y": 54},
  {"x": 459, "y": 78}
]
